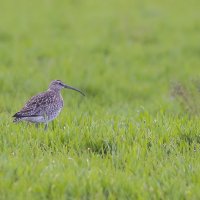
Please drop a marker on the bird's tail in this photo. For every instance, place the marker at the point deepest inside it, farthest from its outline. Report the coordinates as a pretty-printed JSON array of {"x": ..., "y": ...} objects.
[{"x": 16, "y": 119}]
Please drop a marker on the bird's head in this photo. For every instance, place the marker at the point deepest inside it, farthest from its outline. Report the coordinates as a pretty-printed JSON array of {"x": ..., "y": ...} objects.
[{"x": 57, "y": 85}]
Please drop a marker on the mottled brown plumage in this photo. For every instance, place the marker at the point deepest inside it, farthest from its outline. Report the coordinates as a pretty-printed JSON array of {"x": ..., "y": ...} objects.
[{"x": 45, "y": 106}]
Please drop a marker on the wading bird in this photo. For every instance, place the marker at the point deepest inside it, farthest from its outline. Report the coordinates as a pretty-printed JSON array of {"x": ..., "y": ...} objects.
[{"x": 45, "y": 106}]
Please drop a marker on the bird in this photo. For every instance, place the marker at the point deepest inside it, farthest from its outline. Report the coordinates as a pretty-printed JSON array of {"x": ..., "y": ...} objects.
[{"x": 45, "y": 106}]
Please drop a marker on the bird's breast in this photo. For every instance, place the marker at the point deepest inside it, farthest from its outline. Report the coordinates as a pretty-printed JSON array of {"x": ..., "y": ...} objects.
[{"x": 61, "y": 101}]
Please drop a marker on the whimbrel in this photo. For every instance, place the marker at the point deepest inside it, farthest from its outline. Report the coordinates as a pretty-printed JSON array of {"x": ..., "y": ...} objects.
[{"x": 45, "y": 106}]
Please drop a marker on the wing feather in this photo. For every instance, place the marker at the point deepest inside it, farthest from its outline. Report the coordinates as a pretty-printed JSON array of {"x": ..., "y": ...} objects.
[{"x": 37, "y": 105}]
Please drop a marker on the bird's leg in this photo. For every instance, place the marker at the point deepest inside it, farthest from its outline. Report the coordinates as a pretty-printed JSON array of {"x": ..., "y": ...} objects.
[
  {"x": 27, "y": 123},
  {"x": 53, "y": 125},
  {"x": 46, "y": 121},
  {"x": 46, "y": 126}
]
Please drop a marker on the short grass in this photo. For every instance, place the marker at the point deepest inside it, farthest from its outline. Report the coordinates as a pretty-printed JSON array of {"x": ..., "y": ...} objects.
[{"x": 128, "y": 138}]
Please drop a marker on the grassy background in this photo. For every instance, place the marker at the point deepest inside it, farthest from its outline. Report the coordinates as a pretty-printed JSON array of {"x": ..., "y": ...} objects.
[{"x": 127, "y": 139}]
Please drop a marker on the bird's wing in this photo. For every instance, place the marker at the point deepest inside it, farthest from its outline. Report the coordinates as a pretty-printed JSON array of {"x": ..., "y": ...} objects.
[{"x": 36, "y": 106}]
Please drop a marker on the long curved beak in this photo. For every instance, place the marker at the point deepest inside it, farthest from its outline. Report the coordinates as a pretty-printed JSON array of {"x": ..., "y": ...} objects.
[{"x": 72, "y": 88}]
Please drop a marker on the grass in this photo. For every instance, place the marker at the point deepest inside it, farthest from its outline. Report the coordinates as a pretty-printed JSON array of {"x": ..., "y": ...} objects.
[{"x": 128, "y": 138}]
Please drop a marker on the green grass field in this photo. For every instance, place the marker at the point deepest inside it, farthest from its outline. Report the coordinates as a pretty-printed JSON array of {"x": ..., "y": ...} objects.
[{"x": 128, "y": 138}]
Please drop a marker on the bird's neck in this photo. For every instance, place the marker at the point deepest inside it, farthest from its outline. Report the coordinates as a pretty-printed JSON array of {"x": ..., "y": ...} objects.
[
  {"x": 56, "y": 90},
  {"x": 57, "y": 93}
]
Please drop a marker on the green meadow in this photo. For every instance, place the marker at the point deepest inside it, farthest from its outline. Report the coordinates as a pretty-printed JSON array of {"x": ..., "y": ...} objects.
[{"x": 136, "y": 133}]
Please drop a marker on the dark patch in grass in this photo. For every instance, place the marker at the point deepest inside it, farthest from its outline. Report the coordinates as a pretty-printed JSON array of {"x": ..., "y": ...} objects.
[
  {"x": 43, "y": 146},
  {"x": 106, "y": 192},
  {"x": 102, "y": 147},
  {"x": 149, "y": 145},
  {"x": 190, "y": 139},
  {"x": 15, "y": 175},
  {"x": 188, "y": 96},
  {"x": 49, "y": 191},
  {"x": 48, "y": 147}
]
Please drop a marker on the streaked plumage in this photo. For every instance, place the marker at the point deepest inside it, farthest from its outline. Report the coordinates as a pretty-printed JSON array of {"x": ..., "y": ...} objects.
[{"x": 45, "y": 106}]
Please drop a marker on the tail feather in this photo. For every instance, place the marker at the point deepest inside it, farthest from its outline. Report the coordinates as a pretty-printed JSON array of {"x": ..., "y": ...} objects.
[
  {"x": 16, "y": 119},
  {"x": 19, "y": 117},
  {"x": 16, "y": 115}
]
